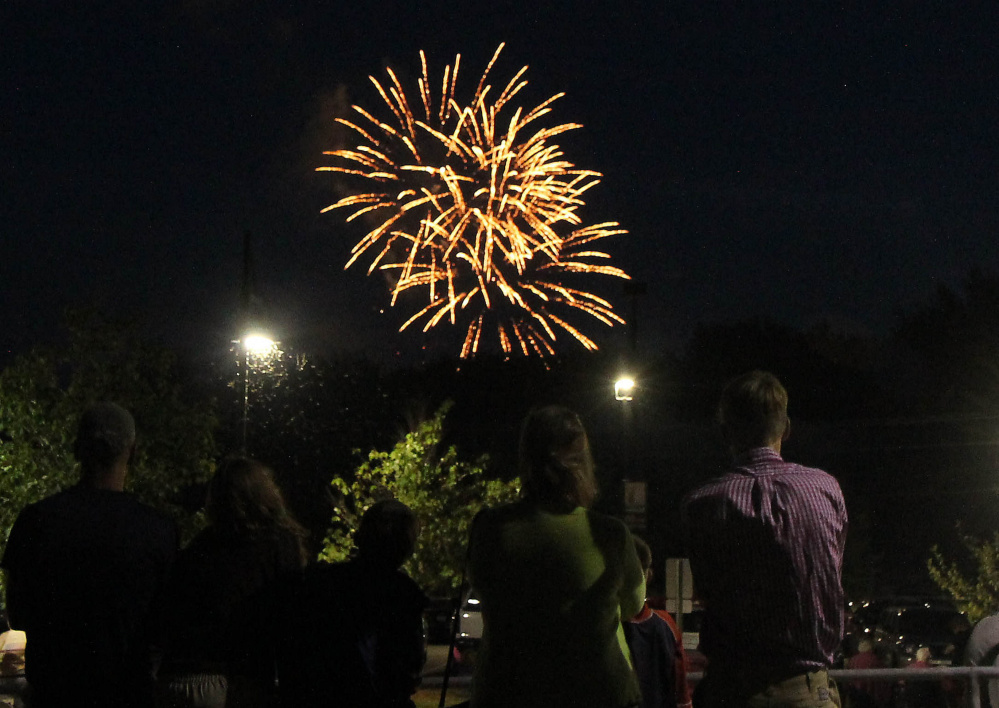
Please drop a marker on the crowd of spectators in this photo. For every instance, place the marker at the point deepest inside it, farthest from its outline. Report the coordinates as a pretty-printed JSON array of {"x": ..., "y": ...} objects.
[{"x": 117, "y": 615}]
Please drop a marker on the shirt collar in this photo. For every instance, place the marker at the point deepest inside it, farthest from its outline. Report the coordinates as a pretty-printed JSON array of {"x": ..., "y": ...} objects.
[{"x": 757, "y": 455}]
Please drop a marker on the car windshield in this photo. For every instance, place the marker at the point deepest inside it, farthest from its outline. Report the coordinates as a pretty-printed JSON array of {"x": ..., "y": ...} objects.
[{"x": 926, "y": 623}]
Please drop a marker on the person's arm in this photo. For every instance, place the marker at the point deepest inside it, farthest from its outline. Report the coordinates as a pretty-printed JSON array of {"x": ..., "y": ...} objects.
[
  {"x": 683, "y": 697},
  {"x": 690, "y": 538},
  {"x": 17, "y": 596},
  {"x": 401, "y": 646},
  {"x": 476, "y": 556},
  {"x": 632, "y": 596},
  {"x": 16, "y": 611},
  {"x": 981, "y": 641}
]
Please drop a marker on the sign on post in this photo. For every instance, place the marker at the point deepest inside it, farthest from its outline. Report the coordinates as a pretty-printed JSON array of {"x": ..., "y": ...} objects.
[
  {"x": 634, "y": 505},
  {"x": 679, "y": 588}
]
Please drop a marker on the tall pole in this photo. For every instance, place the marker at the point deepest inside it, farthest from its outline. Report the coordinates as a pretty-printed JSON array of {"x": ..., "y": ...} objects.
[
  {"x": 245, "y": 298},
  {"x": 246, "y": 393},
  {"x": 634, "y": 289},
  {"x": 246, "y": 288}
]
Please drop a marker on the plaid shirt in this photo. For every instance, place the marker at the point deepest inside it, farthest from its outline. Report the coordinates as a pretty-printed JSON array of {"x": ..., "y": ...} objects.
[{"x": 766, "y": 551}]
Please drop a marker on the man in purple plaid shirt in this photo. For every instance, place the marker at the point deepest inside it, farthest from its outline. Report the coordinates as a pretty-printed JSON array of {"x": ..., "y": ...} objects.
[{"x": 765, "y": 541}]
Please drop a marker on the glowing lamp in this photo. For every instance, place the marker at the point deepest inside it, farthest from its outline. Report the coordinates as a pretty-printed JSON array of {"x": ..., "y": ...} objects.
[
  {"x": 258, "y": 344},
  {"x": 624, "y": 389}
]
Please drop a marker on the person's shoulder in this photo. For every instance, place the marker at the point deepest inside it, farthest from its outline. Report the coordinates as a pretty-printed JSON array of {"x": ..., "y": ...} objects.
[
  {"x": 611, "y": 533},
  {"x": 148, "y": 514},
  {"x": 411, "y": 591},
  {"x": 500, "y": 514},
  {"x": 718, "y": 487},
  {"x": 149, "y": 523},
  {"x": 812, "y": 477},
  {"x": 667, "y": 618},
  {"x": 599, "y": 520},
  {"x": 62, "y": 498},
  {"x": 55, "y": 509},
  {"x": 986, "y": 625}
]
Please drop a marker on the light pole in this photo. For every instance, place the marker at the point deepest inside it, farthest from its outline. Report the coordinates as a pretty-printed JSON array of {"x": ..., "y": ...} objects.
[
  {"x": 258, "y": 346},
  {"x": 633, "y": 487}
]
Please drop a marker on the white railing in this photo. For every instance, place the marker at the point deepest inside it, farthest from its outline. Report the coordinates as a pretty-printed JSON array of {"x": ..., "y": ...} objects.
[
  {"x": 969, "y": 673},
  {"x": 965, "y": 673},
  {"x": 936, "y": 673}
]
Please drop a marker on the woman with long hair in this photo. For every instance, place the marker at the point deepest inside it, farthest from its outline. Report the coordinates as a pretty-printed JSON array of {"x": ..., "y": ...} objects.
[
  {"x": 555, "y": 580},
  {"x": 219, "y": 605}
]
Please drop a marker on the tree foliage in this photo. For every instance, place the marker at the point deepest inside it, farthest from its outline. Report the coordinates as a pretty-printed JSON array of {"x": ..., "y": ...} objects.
[
  {"x": 43, "y": 394},
  {"x": 956, "y": 339},
  {"x": 975, "y": 592},
  {"x": 307, "y": 416},
  {"x": 444, "y": 492}
]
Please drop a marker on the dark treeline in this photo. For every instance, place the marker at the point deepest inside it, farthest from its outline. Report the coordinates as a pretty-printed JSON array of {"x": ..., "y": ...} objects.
[{"x": 907, "y": 421}]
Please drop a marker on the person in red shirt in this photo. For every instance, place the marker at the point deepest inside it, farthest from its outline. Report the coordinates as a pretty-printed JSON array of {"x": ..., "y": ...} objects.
[
  {"x": 868, "y": 693},
  {"x": 657, "y": 649}
]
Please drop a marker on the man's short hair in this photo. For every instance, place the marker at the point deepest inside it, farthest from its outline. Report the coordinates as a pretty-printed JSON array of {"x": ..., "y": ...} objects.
[
  {"x": 105, "y": 433},
  {"x": 387, "y": 533},
  {"x": 753, "y": 409},
  {"x": 644, "y": 553}
]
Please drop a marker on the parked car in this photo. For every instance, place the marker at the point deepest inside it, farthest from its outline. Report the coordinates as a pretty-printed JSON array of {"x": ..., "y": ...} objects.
[
  {"x": 470, "y": 623},
  {"x": 438, "y": 618},
  {"x": 907, "y": 628}
]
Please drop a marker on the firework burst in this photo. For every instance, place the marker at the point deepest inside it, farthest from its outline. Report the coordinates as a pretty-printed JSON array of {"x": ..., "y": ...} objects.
[{"x": 477, "y": 211}]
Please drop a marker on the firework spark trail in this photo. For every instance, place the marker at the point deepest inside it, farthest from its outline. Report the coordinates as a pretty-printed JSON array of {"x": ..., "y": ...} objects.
[{"x": 484, "y": 220}]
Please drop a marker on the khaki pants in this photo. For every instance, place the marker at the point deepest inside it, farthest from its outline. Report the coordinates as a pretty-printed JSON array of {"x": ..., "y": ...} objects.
[{"x": 809, "y": 690}]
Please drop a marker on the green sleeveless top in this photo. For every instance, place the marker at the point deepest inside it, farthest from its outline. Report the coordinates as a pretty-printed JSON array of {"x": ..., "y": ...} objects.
[{"x": 554, "y": 588}]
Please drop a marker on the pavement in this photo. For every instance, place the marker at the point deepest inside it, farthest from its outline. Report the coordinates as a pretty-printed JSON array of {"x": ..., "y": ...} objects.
[
  {"x": 436, "y": 660},
  {"x": 429, "y": 694},
  {"x": 433, "y": 670}
]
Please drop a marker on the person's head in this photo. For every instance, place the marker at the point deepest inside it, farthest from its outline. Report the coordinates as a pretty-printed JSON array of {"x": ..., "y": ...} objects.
[
  {"x": 753, "y": 412},
  {"x": 864, "y": 646},
  {"x": 556, "y": 468},
  {"x": 923, "y": 654},
  {"x": 105, "y": 440},
  {"x": 387, "y": 533},
  {"x": 243, "y": 497}
]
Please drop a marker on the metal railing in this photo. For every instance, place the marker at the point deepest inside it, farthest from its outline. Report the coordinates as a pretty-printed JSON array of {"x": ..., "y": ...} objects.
[{"x": 970, "y": 674}]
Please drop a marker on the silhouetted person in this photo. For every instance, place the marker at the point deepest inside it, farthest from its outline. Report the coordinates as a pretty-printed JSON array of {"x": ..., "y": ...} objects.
[
  {"x": 924, "y": 693},
  {"x": 982, "y": 649},
  {"x": 869, "y": 693},
  {"x": 84, "y": 566},
  {"x": 219, "y": 611},
  {"x": 555, "y": 580},
  {"x": 766, "y": 541},
  {"x": 353, "y": 634},
  {"x": 657, "y": 649}
]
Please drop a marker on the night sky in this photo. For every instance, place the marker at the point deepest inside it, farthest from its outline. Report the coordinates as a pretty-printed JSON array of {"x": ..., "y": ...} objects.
[{"x": 794, "y": 161}]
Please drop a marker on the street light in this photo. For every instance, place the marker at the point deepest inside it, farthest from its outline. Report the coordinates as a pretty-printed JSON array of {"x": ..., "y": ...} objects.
[
  {"x": 260, "y": 348},
  {"x": 630, "y": 494},
  {"x": 624, "y": 389},
  {"x": 259, "y": 345}
]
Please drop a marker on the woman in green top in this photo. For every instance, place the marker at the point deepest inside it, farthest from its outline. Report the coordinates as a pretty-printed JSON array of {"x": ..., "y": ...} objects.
[{"x": 555, "y": 580}]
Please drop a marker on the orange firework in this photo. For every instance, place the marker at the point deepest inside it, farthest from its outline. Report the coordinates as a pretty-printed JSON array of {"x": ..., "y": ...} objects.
[{"x": 476, "y": 212}]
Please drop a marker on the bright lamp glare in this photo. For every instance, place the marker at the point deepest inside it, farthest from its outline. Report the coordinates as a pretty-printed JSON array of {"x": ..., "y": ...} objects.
[
  {"x": 258, "y": 344},
  {"x": 624, "y": 389}
]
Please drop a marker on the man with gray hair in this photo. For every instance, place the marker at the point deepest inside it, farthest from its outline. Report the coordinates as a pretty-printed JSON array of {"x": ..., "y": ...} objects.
[{"x": 83, "y": 567}]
